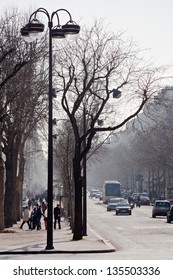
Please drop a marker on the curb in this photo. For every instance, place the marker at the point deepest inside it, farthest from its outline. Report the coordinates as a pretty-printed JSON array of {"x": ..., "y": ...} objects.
[
  {"x": 105, "y": 241},
  {"x": 57, "y": 252}
]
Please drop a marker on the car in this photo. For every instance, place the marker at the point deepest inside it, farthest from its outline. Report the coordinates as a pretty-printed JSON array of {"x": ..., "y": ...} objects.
[
  {"x": 170, "y": 215},
  {"x": 112, "y": 203},
  {"x": 160, "y": 208},
  {"x": 144, "y": 200},
  {"x": 123, "y": 208},
  {"x": 93, "y": 193},
  {"x": 137, "y": 194},
  {"x": 99, "y": 195}
]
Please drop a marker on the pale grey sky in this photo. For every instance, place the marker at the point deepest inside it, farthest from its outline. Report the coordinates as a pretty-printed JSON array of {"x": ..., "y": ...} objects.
[{"x": 149, "y": 22}]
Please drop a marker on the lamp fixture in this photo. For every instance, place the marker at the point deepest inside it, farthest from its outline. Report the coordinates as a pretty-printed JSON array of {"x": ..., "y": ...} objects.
[
  {"x": 71, "y": 28},
  {"x": 116, "y": 93}
]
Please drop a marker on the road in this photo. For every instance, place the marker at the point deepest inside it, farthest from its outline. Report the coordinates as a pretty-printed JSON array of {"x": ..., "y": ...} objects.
[{"x": 136, "y": 237}]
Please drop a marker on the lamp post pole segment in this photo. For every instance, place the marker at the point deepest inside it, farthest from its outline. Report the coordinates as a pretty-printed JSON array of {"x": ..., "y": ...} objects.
[
  {"x": 84, "y": 179},
  {"x": 50, "y": 151},
  {"x": 59, "y": 32}
]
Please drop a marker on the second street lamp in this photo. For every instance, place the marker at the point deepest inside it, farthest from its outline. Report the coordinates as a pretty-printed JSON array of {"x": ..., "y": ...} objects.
[{"x": 33, "y": 28}]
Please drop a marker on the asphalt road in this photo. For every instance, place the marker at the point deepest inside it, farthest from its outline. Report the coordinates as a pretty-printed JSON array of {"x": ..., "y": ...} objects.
[{"x": 136, "y": 237}]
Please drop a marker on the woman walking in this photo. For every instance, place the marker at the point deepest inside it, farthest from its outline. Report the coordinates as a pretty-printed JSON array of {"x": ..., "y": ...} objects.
[{"x": 25, "y": 218}]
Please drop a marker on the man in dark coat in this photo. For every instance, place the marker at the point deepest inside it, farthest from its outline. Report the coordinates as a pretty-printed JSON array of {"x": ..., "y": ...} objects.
[
  {"x": 38, "y": 214},
  {"x": 57, "y": 216}
]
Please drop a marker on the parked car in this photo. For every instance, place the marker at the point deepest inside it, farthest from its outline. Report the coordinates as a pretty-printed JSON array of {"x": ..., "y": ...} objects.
[
  {"x": 112, "y": 203},
  {"x": 160, "y": 208},
  {"x": 123, "y": 208},
  {"x": 170, "y": 215}
]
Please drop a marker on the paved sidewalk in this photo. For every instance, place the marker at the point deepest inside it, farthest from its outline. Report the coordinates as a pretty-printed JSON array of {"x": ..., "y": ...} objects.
[{"x": 25, "y": 241}]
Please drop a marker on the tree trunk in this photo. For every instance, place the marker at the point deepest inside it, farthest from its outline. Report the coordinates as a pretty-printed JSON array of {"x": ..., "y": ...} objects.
[
  {"x": 153, "y": 185},
  {"x": 1, "y": 190},
  {"x": 10, "y": 186},
  {"x": 78, "y": 232},
  {"x": 149, "y": 184}
]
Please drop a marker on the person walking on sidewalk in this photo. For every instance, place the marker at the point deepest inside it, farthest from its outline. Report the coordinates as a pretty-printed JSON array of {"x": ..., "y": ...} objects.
[
  {"x": 33, "y": 218},
  {"x": 25, "y": 217},
  {"x": 45, "y": 219},
  {"x": 57, "y": 216},
  {"x": 39, "y": 214}
]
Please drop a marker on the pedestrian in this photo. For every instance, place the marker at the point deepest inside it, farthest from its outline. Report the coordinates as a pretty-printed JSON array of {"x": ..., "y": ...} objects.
[
  {"x": 25, "y": 217},
  {"x": 29, "y": 204},
  {"x": 57, "y": 216},
  {"x": 33, "y": 218},
  {"x": 45, "y": 219},
  {"x": 38, "y": 216},
  {"x": 138, "y": 201},
  {"x": 44, "y": 207}
]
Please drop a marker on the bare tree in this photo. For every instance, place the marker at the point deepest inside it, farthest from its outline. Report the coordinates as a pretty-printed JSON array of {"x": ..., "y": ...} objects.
[
  {"x": 22, "y": 105},
  {"x": 87, "y": 71},
  {"x": 63, "y": 155}
]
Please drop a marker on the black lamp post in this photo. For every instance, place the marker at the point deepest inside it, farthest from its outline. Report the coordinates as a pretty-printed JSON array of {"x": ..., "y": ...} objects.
[
  {"x": 35, "y": 27},
  {"x": 84, "y": 222}
]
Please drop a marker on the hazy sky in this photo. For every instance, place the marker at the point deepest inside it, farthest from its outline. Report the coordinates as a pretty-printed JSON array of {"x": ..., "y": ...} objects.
[{"x": 149, "y": 22}]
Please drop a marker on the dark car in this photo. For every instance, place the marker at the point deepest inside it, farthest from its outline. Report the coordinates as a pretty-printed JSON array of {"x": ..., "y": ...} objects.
[
  {"x": 144, "y": 200},
  {"x": 123, "y": 208},
  {"x": 160, "y": 208},
  {"x": 112, "y": 203},
  {"x": 170, "y": 215}
]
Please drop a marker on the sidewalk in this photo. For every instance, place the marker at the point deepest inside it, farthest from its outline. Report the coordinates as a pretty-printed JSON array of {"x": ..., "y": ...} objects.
[{"x": 24, "y": 241}]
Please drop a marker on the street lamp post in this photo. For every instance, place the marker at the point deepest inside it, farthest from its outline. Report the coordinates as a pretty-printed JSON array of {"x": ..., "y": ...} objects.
[
  {"x": 84, "y": 222},
  {"x": 34, "y": 27}
]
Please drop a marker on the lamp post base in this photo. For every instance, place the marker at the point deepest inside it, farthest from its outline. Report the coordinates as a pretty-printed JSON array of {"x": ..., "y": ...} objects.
[{"x": 49, "y": 247}]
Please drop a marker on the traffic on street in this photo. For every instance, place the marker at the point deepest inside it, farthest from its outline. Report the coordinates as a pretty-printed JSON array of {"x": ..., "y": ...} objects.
[{"x": 137, "y": 236}]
